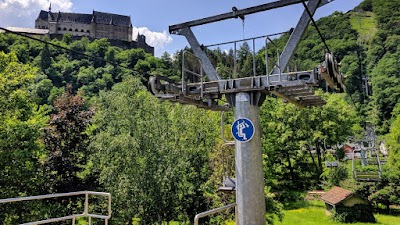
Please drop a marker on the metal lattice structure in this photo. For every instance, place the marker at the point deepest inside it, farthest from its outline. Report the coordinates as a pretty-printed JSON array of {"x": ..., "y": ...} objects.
[{"x": 294, "y": 87}]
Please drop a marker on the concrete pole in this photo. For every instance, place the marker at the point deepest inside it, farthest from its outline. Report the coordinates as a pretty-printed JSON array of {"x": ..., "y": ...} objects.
[{"x": 249, "y": 168}]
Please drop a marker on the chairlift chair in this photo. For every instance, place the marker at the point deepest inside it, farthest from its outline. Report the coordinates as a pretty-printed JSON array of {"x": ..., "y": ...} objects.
[
  {"x": 370, "y": 176},
  {"x": 228, "y": 183}
]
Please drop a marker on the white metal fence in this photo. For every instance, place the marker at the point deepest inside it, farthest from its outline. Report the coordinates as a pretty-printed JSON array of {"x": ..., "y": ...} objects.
[{"x": 73, "y": 217}]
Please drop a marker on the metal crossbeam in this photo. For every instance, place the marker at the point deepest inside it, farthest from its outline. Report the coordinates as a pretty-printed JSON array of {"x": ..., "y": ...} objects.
[
  {"x": 236, "y": 14},
  {"x": 287, "y": 86}
]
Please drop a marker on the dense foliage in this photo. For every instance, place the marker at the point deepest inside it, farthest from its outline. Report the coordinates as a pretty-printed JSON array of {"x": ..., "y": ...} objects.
[
  {"x": 150, "y": 154},
  {"x": 70, "y": 122},
  {"x": 357, "y": 213},
  {"x": 382, "y": 60}
]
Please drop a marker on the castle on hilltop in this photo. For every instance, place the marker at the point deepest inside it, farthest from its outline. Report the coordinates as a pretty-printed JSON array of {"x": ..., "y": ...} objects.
[{"x": 116, "y": 28}]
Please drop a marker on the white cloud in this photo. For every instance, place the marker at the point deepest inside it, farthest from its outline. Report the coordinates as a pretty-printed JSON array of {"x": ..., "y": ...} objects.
[
  {"x": 24, "y": 12},
  {"x": 156, "y": 39}
]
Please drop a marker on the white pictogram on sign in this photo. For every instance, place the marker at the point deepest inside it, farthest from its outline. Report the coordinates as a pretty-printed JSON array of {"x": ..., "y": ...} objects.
[{"x": 243, "y": 130}]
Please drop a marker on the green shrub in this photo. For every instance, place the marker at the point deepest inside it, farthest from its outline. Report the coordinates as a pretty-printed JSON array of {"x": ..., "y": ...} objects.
[{"x": 357, "y": 213}]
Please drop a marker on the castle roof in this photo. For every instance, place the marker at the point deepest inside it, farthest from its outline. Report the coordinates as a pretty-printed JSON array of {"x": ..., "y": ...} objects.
[
  {"x": 109, "y": 18},
  {"x": 96, "y": 17},
  {"x": 42, "y": 15},
  {"x": 74, "y": 17}
]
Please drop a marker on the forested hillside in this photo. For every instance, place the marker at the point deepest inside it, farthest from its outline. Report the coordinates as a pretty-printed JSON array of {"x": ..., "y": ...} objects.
[{"x": 84, "y": 120}]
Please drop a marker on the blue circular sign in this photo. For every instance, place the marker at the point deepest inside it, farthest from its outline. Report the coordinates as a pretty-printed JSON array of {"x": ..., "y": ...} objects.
[{"x": 243, "y": 129}]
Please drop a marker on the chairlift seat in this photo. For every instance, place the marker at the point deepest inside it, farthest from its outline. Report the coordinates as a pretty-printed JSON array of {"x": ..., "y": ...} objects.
[
  {"x": 368, "y": 176},
  {"x": 229, "y": 184},
  {"x": 332, "y": 164}
]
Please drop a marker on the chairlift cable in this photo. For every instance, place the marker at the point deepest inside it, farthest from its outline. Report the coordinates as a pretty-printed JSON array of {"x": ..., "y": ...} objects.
[
  {"x": 326, "y": 46},
  {"x": 315, "y": 25}
]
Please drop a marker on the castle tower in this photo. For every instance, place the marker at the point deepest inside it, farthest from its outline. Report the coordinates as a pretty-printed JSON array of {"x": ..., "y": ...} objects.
[{"x": 52, "y": 22}]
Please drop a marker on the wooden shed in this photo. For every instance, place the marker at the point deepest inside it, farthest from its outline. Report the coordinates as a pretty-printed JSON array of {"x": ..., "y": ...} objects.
[{"x": 338, "y": 196}]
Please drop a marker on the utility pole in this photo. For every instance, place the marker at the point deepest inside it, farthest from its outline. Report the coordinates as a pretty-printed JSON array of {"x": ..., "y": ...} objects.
[{"x": 245, "y": 96}]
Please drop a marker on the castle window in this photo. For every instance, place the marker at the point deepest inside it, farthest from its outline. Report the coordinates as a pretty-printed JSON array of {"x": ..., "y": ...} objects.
[
  {"x": 64, "y": 28},
  {"x": 70, "y": 29},
  {"x": 76, "y": 30},
  {"x": 88, "y": 31},
  {"x": 82, "y": 30},
  {"x": 59, "y": 28}
]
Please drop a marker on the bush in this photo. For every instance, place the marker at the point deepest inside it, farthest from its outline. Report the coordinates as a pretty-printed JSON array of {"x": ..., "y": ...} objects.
[
  {"x": 366, "y": 5},
  {"x": 357, "y": 213}
]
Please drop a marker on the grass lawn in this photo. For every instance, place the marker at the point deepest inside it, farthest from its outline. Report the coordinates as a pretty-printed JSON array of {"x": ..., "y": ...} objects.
[
  {"x": 365, "y": 24},
  {"x": 314, "y": 214}
]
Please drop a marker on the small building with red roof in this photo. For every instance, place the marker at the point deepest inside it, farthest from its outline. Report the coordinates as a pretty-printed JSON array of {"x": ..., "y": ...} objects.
[{"x": 339, "y": 196}]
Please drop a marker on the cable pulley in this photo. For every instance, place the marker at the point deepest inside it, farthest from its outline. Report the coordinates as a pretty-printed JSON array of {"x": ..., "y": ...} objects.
[{"x": 331, "y": 73}]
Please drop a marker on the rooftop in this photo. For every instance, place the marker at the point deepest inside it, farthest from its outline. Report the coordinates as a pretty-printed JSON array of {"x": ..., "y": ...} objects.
[
  {"x": 336, "y": 195},
  {"x": 96, "y": 17},
  {"x": 28, "y": 30}
]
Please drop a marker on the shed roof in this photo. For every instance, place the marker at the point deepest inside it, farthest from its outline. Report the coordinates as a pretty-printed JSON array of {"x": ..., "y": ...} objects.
[{"x": 336, "y": 195}]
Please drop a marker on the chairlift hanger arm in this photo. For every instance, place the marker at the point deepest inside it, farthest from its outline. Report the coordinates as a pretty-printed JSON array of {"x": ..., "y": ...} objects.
[
  {"x": 298, "y": 33},
  {"x": 174, "y": 29},
  {"x": 196, "y": 47}
]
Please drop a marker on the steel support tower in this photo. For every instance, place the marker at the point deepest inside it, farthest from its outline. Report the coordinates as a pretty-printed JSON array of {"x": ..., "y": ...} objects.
[{"x": 246, "y": 95}]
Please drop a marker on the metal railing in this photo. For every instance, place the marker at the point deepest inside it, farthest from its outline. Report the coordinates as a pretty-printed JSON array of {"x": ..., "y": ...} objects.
[
  {"x": 70, "y": 217},
  {"x": 213, "y": 211},
  {"x": 267, "y": 58},
  {"x": 187, "y": 70}
]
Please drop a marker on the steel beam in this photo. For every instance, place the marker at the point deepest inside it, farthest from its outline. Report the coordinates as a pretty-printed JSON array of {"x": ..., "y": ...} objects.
[
  {"x": 234, "y": 14},
  {"x": 238, "y": 14},
  {"x": 194, "y": 43},
  {"x": 296, "y": 36}
]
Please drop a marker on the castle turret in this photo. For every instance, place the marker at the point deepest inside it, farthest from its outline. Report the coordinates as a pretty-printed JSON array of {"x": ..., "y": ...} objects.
[{"x": 52, "y": 22}]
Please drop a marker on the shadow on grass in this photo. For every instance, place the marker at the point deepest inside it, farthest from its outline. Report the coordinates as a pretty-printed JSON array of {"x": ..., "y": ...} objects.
[{"x": 392, "y": 212}]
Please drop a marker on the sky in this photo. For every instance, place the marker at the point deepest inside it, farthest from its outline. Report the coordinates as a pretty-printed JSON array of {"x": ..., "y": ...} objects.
[{"x": 153, "y": 17}]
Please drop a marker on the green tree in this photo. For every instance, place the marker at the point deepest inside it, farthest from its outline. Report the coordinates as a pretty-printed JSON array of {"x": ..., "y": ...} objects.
[
  {"x": 393, "y": 141},
  {"x": 293, "y": 139},
  {"x": 388, "y": 195},
  {"x": 152, "y": 157},
  {"x": 45, "y": 58},
  {"x": 385, "y": 85},
  {"x": 21, "y": 121}
]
